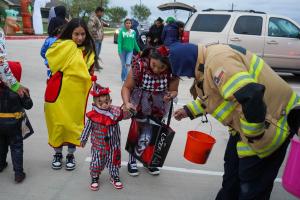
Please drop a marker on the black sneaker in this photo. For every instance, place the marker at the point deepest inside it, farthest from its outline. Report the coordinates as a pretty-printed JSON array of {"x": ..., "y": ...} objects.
[
  {"x": 132, "y": 169},
  {"x": 70, "y": 162},
  {"x": 57, "y": 161},
  {"x": 153, "y": 171},
  {"x": 20, "y": 177},
  {"x": 3, "y": 167}
]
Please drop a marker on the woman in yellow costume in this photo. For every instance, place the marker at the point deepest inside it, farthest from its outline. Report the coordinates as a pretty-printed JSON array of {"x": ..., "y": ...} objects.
[{"x": 70, "y": 60}]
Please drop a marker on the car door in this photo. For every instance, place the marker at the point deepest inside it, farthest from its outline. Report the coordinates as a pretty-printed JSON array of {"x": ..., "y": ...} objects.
[
  {"x": 247, "y": 32},
  {"x": 282, "y": 45}
]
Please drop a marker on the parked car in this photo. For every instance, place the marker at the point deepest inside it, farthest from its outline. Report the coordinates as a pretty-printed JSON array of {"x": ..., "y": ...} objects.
[{"x": 274, "y": 38}]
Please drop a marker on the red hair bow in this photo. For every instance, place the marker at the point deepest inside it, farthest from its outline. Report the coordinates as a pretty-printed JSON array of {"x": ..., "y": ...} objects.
[
  {"x": 163, "y": 51},
  {"x": 98, "y": 90}
]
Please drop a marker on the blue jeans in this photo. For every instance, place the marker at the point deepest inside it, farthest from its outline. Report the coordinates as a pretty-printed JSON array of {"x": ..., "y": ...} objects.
[
  {"x": 126, "y": 62},
  {"x": 98, "y": 44}
]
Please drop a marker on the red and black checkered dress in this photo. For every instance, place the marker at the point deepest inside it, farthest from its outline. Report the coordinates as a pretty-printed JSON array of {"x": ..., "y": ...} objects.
[{"x": 150, "y": 89}]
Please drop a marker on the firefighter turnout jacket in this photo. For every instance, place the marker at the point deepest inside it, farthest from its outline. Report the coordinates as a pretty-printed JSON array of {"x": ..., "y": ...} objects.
[{"x": 241, "y": 91}]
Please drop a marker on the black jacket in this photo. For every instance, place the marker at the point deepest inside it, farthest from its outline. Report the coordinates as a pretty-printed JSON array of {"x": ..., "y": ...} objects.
[{"x": 11, "y": 102}]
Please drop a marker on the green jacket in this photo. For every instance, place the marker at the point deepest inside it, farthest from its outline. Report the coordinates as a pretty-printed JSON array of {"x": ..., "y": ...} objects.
[{"x": 127, "y": 41}]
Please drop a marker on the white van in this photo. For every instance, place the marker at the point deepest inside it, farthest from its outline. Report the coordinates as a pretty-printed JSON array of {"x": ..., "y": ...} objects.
[{"x": 274, "y": 38}]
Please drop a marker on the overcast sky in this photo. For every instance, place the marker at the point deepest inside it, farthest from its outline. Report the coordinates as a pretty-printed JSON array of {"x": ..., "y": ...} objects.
[{"x": 290, "y": 8}]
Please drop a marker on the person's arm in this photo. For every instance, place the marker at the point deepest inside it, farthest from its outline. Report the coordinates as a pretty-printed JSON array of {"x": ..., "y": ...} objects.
[
  {"x": 120, "y": 41},
  {"x": 235, "y": 82},
  {"x": 172, "y": 90},
  {"x": 163, "y": 34},
  {"x": 5, "y": 73},
  {"x": 44, "y": 49},
  {"x": 86, "y": 132},
  {"x": 192, "y": 110},
  {"x": 126, "y": 91}
]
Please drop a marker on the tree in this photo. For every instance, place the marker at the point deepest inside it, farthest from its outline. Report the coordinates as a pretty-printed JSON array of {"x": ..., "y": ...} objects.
[
  {"x": 116, "y": 14},
  {"x": 79, "y": 8},
  {"x": 141, "y": 12}
]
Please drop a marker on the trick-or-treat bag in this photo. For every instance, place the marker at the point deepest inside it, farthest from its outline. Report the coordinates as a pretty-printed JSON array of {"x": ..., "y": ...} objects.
[{"x": 159, "y": 134}]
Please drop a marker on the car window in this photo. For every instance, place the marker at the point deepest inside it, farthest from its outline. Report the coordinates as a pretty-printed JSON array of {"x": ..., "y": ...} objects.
[
  {"x": 210, "y": 23},
  {"x": 248, "y": 25},
  {"x": 279, "y": 27}
]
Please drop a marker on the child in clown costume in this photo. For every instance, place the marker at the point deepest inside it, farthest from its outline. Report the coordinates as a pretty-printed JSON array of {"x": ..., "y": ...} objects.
[
  {"x": 70, "y": 60},
  {"x": 103, "y": 126}
]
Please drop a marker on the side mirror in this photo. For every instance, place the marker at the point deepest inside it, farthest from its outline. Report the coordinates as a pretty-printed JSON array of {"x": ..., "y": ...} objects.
[{"x": 298, "y": 36}]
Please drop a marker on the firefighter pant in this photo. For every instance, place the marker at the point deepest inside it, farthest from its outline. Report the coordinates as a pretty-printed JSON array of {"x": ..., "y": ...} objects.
[{"x": 249, "y": 178}]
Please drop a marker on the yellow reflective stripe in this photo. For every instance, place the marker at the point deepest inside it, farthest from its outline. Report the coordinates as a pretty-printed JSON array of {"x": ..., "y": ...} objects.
[
  {"x": 256, "y": 66},
  {"x": 243, "y": 149},
  {"x": 195, "y": 107},
  {"x": 252, "y": 129},
  {"x": 223, "y": 110},
  {"x": 16, "y": 115},
  {"x": 235, "y": 82},
  {"x": 282, "y": 130}
]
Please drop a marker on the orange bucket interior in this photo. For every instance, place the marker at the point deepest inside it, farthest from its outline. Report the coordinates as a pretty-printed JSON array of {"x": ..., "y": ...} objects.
[{"x": 198, "y": 147}]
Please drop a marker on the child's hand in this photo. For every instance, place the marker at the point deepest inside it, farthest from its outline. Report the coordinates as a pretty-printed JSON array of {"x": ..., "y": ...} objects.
[
  {"x": 82, "y": 144},
  {"x": 170, "y": 95},
  {"x": 128, "y": 106},
  {"x": 23, "y": 91}
]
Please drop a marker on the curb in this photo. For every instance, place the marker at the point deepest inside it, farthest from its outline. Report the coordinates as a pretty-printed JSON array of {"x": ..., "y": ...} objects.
[{"x": 26, "y": 37}]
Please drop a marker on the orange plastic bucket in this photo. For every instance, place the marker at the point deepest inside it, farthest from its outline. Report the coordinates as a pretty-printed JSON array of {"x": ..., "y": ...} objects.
[{"x": 198, "y": 146}]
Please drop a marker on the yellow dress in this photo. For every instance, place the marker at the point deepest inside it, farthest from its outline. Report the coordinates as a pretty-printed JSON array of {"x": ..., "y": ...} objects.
[{"x": 65, "y": 111}]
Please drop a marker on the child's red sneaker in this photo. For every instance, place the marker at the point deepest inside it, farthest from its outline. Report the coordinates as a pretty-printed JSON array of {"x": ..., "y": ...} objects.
[
  {"x": 116, "y": 182},
  {"x": 94, "y": 184}
]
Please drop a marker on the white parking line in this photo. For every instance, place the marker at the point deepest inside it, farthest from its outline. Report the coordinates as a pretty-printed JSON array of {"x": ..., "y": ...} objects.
[{"x": 184, "y": 170}]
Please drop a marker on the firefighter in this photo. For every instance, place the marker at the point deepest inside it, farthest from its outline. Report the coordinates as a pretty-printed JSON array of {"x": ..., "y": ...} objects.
[{"x": 241, "y": 91}]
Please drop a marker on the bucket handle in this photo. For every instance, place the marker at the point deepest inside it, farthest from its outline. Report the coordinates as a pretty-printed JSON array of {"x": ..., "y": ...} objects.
[{"x": 204, "y": 120}]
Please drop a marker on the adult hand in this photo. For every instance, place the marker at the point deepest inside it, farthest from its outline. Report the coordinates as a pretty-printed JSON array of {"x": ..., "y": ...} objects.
[
  {"x": 23, "y": 91},
  {"x": 180, "y": 114},
  {"x": 170, "y": 95}
]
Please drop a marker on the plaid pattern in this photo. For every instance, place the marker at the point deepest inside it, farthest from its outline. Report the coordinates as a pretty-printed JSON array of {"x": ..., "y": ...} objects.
[
  {"x": 106, "y": 142},
  {"x": 150, "y": 89},
  {"x": 152, "y": 83},
  {"x": 146, "y": 79}
]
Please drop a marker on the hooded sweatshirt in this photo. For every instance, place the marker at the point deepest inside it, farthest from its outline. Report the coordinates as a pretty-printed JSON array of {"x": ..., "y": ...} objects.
[
  {"x": 127, "y": 41},
  {"x": 58, "y": 21},
  {"x": 170, "y": 34}
]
